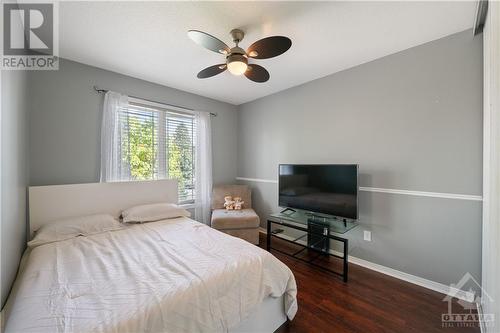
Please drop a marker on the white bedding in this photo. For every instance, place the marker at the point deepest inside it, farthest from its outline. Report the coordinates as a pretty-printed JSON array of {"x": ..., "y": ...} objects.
[{"x": 170, "y": 276}]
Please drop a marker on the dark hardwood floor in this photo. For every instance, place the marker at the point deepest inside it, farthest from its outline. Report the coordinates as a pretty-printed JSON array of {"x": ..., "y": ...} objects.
[{"x": 369, "y": 302}]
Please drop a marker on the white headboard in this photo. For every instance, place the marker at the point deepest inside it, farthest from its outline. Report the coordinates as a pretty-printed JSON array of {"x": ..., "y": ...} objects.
[{"x": 49, "y": 203}]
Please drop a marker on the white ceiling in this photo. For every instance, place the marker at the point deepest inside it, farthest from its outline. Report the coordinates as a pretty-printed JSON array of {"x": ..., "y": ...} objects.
[{"x": 148, "y": 40}]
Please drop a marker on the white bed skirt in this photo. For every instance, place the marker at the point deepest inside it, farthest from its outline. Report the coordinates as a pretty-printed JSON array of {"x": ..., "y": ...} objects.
[{"x": 268, "y": 318}]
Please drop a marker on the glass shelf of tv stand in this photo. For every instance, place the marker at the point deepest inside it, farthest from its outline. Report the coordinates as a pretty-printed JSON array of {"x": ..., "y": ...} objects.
[{"x": 302, "y": 218}]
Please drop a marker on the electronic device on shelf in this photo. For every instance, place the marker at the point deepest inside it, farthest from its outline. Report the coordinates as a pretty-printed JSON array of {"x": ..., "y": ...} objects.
[{"x": 317, "y": 236}]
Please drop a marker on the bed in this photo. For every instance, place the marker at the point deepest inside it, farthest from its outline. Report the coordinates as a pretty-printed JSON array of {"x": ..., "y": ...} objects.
[{"x": 174, "y": 275}]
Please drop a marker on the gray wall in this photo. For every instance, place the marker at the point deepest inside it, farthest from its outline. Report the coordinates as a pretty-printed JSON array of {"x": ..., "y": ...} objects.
[
  {"x": 413, "y": 121},
  {"x": 14, "y": 175},
  {"x": 65, "y": 122}
]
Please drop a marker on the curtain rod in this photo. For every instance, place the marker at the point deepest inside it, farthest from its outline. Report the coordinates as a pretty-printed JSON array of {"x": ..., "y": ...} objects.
[{"x": 103, "y": 91}]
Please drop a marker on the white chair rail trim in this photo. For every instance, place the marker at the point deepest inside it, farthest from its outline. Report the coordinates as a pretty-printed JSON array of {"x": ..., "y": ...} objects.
[{"x": 390, "y": 191}]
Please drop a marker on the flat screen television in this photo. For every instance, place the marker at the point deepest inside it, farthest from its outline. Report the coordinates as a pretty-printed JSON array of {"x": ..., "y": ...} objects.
[{"x": 321, "y": 188}]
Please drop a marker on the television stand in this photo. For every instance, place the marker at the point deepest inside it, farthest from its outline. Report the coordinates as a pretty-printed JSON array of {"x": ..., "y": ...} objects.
[
  {"x": 317, "y": 237},
  {"x": 321, "y": 218},
  {"x": 290, "y": 210}
]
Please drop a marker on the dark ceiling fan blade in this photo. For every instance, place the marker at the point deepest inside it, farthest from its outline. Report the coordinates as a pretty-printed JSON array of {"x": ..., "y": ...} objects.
[
  {"x": 211, "y": 71},
  {"x": 257, "y": 73},
  {"x": 269, "y": 47},
  {"x": 208, "y": 41}
]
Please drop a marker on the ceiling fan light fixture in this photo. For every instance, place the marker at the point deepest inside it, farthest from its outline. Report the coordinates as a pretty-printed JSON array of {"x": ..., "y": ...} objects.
[
  {"x": 237, "y": 64},
  {"x": 237, "y": 58},
  {"x": 237, "y": 67}
]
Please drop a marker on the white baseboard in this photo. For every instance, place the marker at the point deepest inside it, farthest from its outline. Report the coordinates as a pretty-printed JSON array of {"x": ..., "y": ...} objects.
[
  {"x": 432, "y": 285},
  {"x": 482, "y": 327}
]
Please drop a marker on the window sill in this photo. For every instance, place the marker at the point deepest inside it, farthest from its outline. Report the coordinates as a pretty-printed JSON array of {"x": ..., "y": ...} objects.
[{"x": 188, "y": 206}]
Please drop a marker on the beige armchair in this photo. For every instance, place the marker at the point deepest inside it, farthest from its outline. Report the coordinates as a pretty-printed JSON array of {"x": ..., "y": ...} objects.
[{"x": 243, "y": 223}]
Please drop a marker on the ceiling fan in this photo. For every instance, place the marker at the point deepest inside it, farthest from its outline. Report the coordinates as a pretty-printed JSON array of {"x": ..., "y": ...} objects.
[{"x": 237, "y": 58}]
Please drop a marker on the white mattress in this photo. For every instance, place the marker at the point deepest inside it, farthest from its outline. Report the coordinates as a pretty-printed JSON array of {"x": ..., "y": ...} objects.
[{"x": 170, "y": 276}]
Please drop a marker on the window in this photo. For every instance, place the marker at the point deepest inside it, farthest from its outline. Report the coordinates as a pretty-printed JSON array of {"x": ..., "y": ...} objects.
[
  {"x": 155, "y": 143},
  {"x": 143, "y": 140}
]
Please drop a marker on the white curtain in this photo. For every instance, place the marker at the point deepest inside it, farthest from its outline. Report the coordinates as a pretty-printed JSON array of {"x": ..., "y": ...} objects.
[
  {"x": 110, "y": 136},
  {"x": 203, "y": 167}
]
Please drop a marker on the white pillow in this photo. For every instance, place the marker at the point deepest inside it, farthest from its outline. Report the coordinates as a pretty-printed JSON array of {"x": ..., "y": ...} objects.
[
  {"x": 73, "y": 227},
  {"x": 153, "y": 212}
]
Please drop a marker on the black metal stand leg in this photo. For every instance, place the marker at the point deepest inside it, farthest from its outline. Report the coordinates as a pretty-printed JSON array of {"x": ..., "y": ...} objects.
[
  {"x": 268, "y": 239},
  {"x": 346, "y": 265},
  {"x": 345, "y": 257}
]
